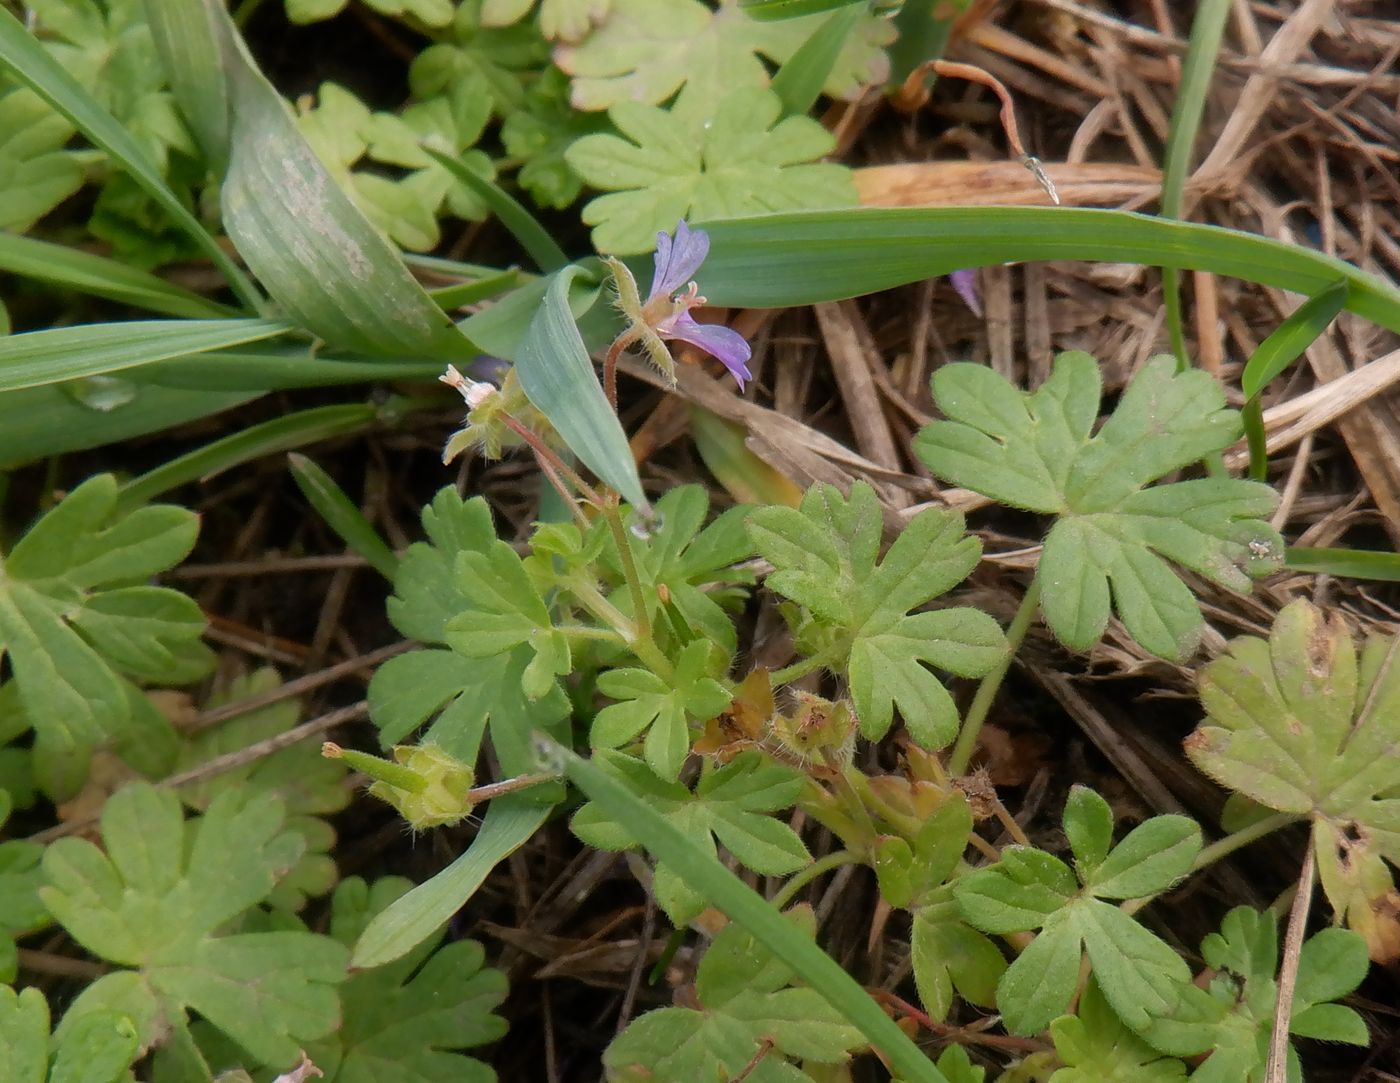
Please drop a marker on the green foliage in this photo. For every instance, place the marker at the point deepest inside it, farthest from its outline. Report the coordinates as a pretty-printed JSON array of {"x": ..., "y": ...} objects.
[
  {"x": 1303, "y": 724},
  {"x": 643, "y": 701},
  {"x": 407, "y": 1021},
  {"x": 79, "y": 624},
  {"x": 1140, "y": 976},
  {"x": 345, "y": 135},
  {"x": 1232, "y": 1019},
  {"x": 730, "y": 803},
  {"x": 746, "y": 1003},
  {"x": 566, "y": 20},
  {"x": 477, "y": 62},
  {"x": 1097, "y": 1048},
  {"x": 464, "y": 693},
  {"x": 308, "y": 784},
  {"x": 98, "y": 1049},
  {"x": 647, "y": 50},
  {"x": 540, "y": 132},
  {"x": 741, "y": 159},
  {"x": 20, "y": 879},
  {"x": 159, "y": 902},
  {"x": 37, "y": 173},
  {"x": 1113, "y": 529},
  {"x": 856, "y": 608}
]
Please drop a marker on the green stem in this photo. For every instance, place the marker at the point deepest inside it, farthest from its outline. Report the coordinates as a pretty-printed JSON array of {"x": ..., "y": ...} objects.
[
  {"x": 803, "y": 877},
  {"x": 800, "y": 668},
  {"x": 991, "y": 683},
  {"x": 629, "y": 567},
  {"x": 1236, "y": 840},
  {"x": 644, "y": 647}
]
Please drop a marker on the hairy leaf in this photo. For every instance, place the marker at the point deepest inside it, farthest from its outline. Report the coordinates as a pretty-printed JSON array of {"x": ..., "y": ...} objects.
[
  {"x": 825, "y": 558},
  {"x": 740, "y": 160},
  {"x": 99, "y": 1049},
  {"x": 1097, "y": 1048},
  {"x": 1303, "y": 724},
  {"x": 77, "y": 626},
  {"x": 1140, "y": 976},
  {"x": 1114, "y": 531},
  {"x": 155, "y": 902}
]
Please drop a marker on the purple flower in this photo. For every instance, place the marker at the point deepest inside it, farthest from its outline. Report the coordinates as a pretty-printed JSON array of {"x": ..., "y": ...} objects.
[{"x": 667, "y": 307}]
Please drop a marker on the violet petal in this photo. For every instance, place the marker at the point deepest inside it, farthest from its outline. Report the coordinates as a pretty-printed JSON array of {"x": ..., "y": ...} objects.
[
  {"x": 965, "y": 282},
  {"x": 724, "y": 343},
  {"x": 678, "y": 260}
]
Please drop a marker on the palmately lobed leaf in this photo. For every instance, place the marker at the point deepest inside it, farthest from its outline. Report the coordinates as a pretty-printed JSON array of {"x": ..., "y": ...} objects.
[
  {"x": 1302, "y": 724},
  {"x": 157, "y": 900},
  {"x": 1113, "y": 536}
]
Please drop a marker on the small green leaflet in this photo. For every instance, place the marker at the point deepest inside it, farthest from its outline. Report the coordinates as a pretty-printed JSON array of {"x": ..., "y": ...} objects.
[
  {"x": 433, "y": 13},
  {"x": 154, "y": 902},
  {"x": 78, "y": 619},
  {"x": 1114, "y": 531},
  {"x": 1139, "y": 974},
  {"x": 730, "y": 803},
  {"x": 539, "y": 134},
  {"x": 1097, "y": 1048},
  {"x": 745, "y": 1000},
  {"x": 407, "y": 1021},
  {"x": 1233, "y": 1018},
  {"x": 824, "y": 557},
  {"x": 664, "y": 709},
  {"x": 471, "y": 62},
  {"x": 1302, "y": 724},
  {"x": 98, "y": 1049},
  {"x": 741, "y": 159},
  {"x": 564, "y": 20}
]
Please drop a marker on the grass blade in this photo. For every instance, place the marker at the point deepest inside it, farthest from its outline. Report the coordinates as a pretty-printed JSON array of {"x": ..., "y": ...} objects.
[
  {"x": 1349, "y": 563},
  {"x": 1288, "y": 341},
  {"x": 29, "y": 62},
  {"x": 772, "y": 10},
  {"x": 97, "y": 276},
  {"x": 277, "y": 367},
  {"x": 342, "y": 516},
  {"x": 782, "y": 260},
  {"x": 800, "y": 80},
  {"x": 37, "y": 358},
  {"x": 703, "y": 872},
  {"x": 50, "y": 420},
  {"x": 1196, "y": 71},
  {"x": 187, "y": 39},
  {"x": 533, "y": 237},
  {"x": 269, "y": 438},
  {"x": 412, "y": 918},
  {"x": 745, "y": 477},
  {"x": 555, "y": 372}
]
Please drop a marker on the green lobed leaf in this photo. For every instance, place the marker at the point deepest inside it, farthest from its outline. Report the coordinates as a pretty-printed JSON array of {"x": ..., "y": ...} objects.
[
  {"x": 1096, "y": 1047},
  {"x": 825, "y": 556},
  {"x": 407, "y": 1021},
  {"x": 154, "y": 905},
  {"x": 75, "y": 625},
  {"x": 948, "y": 954},
  {"x": 1302, "y": 724},
  {"x": 98, "y": 1051},
  {"x": 1114, "y": 532},
  {"x": 740, "y": 159}
]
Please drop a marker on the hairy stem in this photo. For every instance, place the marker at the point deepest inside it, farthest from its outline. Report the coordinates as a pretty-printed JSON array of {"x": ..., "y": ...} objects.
[
  {"x": 644, "y": 647},
  {"x": 1277, "y": 1070},
  {"x": 802, "y": 877},
  {"x": 991, "y": 683},
  {"x": 629, "y": 568}
]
